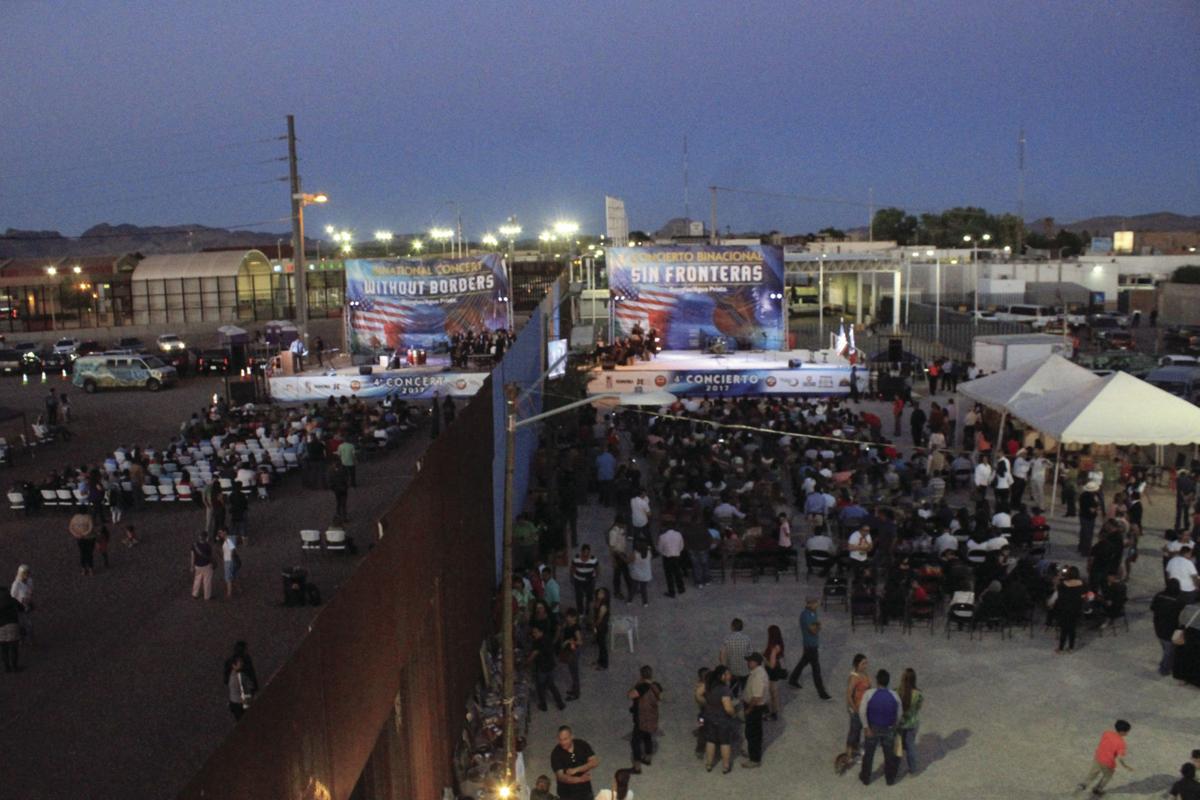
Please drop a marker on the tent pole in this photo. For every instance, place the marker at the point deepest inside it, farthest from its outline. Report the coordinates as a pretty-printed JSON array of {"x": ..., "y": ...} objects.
[
  {"x": 999, "y": 445},
  {"x": 1054, "y": 486}
]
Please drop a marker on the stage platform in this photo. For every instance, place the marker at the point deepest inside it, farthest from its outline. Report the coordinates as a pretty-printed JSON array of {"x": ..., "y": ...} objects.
[
  {"x": 435, "y": 377},
  {"x": 743, "y": 373}
]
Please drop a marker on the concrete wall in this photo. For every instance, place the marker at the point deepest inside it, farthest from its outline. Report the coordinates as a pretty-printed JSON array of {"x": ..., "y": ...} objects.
[{"x": 1179, "y": 303}]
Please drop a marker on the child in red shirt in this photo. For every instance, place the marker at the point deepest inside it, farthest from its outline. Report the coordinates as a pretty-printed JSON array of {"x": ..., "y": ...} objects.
[{"x": 1109, "y": 753}]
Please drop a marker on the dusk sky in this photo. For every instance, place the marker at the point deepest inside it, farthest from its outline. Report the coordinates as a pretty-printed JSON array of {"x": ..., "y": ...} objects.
[{"x": 165, "y": 112}]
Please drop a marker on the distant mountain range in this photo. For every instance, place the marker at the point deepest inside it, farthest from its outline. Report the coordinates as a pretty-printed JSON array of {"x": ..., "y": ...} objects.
[
  {"x": 1104, "y": 226},
  {"x": 107, "y": 239}
]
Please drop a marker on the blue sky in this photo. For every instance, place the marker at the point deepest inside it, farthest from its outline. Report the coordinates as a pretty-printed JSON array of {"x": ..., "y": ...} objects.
[{"x": 167, "y": 112}]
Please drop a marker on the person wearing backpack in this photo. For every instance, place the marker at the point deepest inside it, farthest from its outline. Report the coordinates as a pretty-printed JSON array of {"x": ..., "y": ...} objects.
[{"x": 644, "y": 700}]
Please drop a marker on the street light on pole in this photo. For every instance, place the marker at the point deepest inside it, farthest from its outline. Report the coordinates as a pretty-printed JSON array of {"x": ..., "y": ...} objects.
[
  {"x": 442, "y": 235},
  {"x": 385, "y": 238},
  {"x": 299, "y": 201},
  {"x": 987, "y": 237},
  {"x": 937, "y": 294}
]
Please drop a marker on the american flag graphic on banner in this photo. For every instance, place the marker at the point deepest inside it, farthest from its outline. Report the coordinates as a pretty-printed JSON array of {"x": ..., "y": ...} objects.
[{"x": 647, "y": 308}]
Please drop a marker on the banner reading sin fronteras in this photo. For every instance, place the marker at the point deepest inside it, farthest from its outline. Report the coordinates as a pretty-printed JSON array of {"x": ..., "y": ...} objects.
[
  {"x": 401, "y": 303},
  {"x": 693, "y": 294}
]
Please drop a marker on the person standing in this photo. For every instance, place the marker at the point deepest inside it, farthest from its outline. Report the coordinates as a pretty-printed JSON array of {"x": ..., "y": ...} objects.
[
  {"x": 22, "y": 591},
  {"x": 241, "y": 687},
  {"x": 754, "y": 700},
  {"x": 319, "y": 347},
  {"x": 601, "y": 619},
  {"x": 583, "y": 578},
  {"x": 720, "y": 720},
  {"x": 856, "y": 688},
  {"x": 640, "y": 571},
  {"x": 1021, "y": 467},
  {"x": 10, "y": 632},
  {"x": 296, "y": 348},
  {"x": 606, "y": 470},
  {"x": 1166, "y": 608},
  {"x": 916, "y": 423},
  {"x": 733, "y": 654},
  {"x": 544, "y": 662},
  {"x": 897, "y": 414},
  {"x": 1039, "y": 468},
  {"x": 1185, "y": 497},
  {"x": 619, "y": 552},
  {"x": 573, "y": 761},
  {"x": 202, "y": 566},
  {"x": 238, "y": 508},
  {"x": 339, "y": 484},
  {"x": 242, "y": 651},
  {"x": 776, "y": 671},
  {"x": 644, "y": 699},
  {"x": 879, "y": 713},
  {"x": 639, "y": 516},
  {"x": 1186, "y": 788},
  {"x": 435, "y": 418},
  {"x": 347, "y": 453},
  {"x": 1109, "y": 753},
  {"x": 1091, "y": 505},
  {"x": 810, "y": 633},
  {"x": 232, "y": 560},
  {"x": 1068, "y": 607},
  {"x": 52, "y": 409},
  {"x": 911, "y": 699},
  {"x": 568, "y": 650},
  {"x": 1182, "y": 568},
  {"x": 699, "y": 542},
  {"x": 670, "y": 547}
]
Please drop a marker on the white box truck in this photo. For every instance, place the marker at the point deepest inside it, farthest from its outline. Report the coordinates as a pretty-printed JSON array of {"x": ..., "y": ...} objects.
[{"x": 998, "y": 353}]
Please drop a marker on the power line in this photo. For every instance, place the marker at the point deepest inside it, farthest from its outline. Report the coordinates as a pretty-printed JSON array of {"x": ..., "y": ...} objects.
[{"x": 154, "y": 177}]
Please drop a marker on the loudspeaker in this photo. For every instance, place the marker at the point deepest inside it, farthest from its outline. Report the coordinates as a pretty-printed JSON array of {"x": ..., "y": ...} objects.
[
  {"x": 795, "y": 363},
  {"x": 895, "y": 350},
  {"x": 366, "y": 369}
]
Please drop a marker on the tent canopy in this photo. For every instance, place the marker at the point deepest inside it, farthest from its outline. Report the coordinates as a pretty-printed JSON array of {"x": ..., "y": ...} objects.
[
  {"x": 1119, "y": 409},
  {"x": 1005, "y": 390}
]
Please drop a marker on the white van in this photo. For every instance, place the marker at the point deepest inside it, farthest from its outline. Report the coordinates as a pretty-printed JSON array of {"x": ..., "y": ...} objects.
[
  {"x": 1037, "y": 316},
  {"x": 120, "y": 370}
]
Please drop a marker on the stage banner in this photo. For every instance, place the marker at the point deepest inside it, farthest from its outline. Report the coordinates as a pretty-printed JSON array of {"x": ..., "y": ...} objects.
[
  {"x": 820, "y": 381},
  {"x": 698, "y": 295},
  {"x": 401, "y": 303},
  {"x": 401, "y": 385}
]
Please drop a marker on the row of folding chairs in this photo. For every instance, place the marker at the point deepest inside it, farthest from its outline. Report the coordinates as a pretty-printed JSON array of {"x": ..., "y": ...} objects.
[{"x": 334, "y": 539}]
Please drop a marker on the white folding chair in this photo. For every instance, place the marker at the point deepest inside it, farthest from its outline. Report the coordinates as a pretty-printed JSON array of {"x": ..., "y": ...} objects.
[
  {"x": 66, "y": 497},
  {"x": 310, "y": 539},
  {"x": 184, "y": 492},
  {"x": 226, "y": 486},
  {"x": 16, "y": 501},
  {"x": 150, "y": 493},
  {"x": 622, "y": 626},
  {"x": 49, "y": 497},
  {"x": 335, "y": 539},
  {"x": 166, "y": 493}
]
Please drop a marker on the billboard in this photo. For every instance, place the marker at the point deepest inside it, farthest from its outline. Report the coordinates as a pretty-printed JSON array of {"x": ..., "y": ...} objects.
[
  {"x": 401, "y": 302},
  {"x": 400, "y": 384},
  {"x": 823, "y": 380},
  {"x": 695, "y": 295},
  {"x": 616, "y": 223}
]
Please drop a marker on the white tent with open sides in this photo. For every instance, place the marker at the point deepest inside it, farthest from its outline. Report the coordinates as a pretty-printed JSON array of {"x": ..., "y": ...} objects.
[
  {"x": 1118, "y": 409},
  {"x": 1008, "y": 389}
]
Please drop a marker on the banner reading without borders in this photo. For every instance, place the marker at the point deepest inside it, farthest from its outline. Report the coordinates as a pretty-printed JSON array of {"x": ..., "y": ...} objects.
[
  {"x": 402, "y": 302},
  {"x": 693, "y": 294}
]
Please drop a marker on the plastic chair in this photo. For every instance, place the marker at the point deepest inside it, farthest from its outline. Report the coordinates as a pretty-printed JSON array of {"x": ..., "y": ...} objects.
[
  {"x": 16, "y": 501},
  {"x": 626, "y": 626},
  {"x": 150, "y": 493},
  {"x": 49, "y": 497},
  {"x": 335, "y": 539},
  {"x": 310, "y": 539}
]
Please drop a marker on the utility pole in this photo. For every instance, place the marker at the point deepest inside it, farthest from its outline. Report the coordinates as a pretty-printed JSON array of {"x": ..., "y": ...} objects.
[
  {"x": 712, "y": 207},
  {"x": 687, "y": 208},
  {"x": 871, "y": 214},
  {"x": 298, "y": 265},
  {"x": 1021, "y": 192}
]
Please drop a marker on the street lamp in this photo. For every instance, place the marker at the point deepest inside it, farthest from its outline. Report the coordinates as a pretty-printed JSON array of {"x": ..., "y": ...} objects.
[
  {"x": 385, "y": 238},
  {"x": 937, "y": 293},
  {"x": 417, "y": 245},
  {"x": 985, "y": 238},
  {"x": 489, "y": 240},
  {"x": 441, "y": 235},
  {"x": 299, "y": 201}
]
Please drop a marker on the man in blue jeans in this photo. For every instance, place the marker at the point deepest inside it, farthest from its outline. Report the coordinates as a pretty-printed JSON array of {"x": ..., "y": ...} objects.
[{"x": 880, "y": 712}]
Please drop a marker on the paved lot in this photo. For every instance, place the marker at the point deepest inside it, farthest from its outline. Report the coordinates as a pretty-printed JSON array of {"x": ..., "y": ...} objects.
[
  {"x": 1002, "y": 719},
  {"x": 122, "y": 695}
]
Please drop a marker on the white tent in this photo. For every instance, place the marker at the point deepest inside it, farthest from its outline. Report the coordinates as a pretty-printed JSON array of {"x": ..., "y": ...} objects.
[
  {"x": 1006, "y": 390},
  {"x": 1119, "y": 409}
]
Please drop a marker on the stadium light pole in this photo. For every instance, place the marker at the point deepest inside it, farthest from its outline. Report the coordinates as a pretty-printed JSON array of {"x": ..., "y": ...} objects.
[
  {"x": 987, "y": 237},
  {"x": 385, "y": 238}
]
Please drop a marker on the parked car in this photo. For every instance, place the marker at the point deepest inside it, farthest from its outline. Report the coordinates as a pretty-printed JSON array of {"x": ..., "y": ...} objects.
[
  {"x": 52, "y": 361},
  {"x": 1180, "y": 381},
  {"x": 180, "y": 359},
  {"x": 209, "y": 361},
  {"x": 89, "y": 347},
  {"x": 1037, "y": 316},
  {"x": 1099, "y": 325},
  {"x": 1182, "y": 338},
  {"x": 122, "y": 371},
  {"x": 170, "y": 342},
  {"x": 1179, "y": 361},
  {"x": 12, "y": 362},
  {"x": 1118, "y": 340},
  {"x": 131, "y": 343},
  {"x": 1122, "y": 320},
  {"x": 66, "y": 346},
  {"x": 1112, "y": 361}
]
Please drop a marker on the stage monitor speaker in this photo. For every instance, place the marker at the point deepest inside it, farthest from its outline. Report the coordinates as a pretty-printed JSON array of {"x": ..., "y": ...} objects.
[
  {"x": 366, "y": 369},
  {"x": 795, "y": 363},
  {"x": 895, "y": 350},
  {"x": 242, "y": 392}
]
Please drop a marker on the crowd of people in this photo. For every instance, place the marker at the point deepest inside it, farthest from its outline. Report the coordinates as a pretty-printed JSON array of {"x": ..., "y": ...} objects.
[
  {"x": 483, "y": 342},
  {"x": 903, "y": 528},
  {"x": 639, "y": 345}
]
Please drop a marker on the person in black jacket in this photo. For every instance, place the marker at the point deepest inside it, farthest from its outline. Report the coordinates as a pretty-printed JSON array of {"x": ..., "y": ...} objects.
[{"x": 1166, "y": 607}]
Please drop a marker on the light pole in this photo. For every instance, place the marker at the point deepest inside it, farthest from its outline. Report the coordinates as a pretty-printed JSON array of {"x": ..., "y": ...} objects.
[
  {"x": 443, "y": 235},
  {"x": 385, "y": 238},
  {"x": 937, "y": 294},
  {"x": 987, "y": 237},
  {"x": 299, "y": 201},
  {"x": 567, "y": 230}
]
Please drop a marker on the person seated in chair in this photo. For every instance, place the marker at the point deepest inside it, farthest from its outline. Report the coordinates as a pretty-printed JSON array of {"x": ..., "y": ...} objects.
[{"x": 1113, "y": 596}]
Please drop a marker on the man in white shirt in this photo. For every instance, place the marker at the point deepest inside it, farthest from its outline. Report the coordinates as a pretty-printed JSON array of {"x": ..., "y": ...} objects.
[
  {"x": 1002, "y": 520},
  {"x": 754, "y": 698},
  {"x": 1038, "y": 469},
  {"x": 1020, "y": 472},
  {"x": 860, "y": 544},
  {"x": 982, "y": 478},
  {"x": 639, "y": 516},
  {"x": 726, "y": 511},
  {"x": 1183, "y": 569},
  {"x": 670, "y": 547},
  {"x": 820, "y": 542},
  {"x": 947, "y": 541}
]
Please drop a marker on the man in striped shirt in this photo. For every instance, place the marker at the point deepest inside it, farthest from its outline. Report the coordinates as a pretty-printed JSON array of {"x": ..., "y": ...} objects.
[
  {"x": 583, "y": 579},
  {"x": 734, "y": 650}
]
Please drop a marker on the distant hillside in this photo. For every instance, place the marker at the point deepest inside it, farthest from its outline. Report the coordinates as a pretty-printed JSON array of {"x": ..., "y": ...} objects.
[
  {"x": 105, "y": 239},
  {"x": 1158, "y": 221}
]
